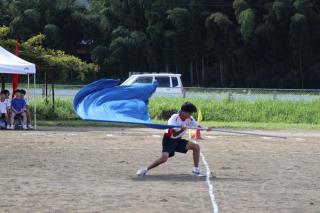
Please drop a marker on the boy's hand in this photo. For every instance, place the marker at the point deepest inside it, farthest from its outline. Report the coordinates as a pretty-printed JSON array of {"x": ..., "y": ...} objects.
[
  {"x": 183, "y": 128},
  {"x": 209, "y": 129}
]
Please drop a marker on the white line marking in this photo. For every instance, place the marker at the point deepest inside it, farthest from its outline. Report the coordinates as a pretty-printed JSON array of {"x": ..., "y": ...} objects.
[
  {"x": 109, "y": 135},
  {"x": 210, "y": 186},
  {"x": 266, "y": 138},
  {"x": 211, "y": 137},
  {"x": 215, "y": 208},
  {"x": 300, "y": 139},
  {"x": 156, "y": 136}
]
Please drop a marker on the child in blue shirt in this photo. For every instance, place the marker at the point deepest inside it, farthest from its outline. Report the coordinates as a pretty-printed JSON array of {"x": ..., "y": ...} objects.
[{"x": 18, "y": 107}]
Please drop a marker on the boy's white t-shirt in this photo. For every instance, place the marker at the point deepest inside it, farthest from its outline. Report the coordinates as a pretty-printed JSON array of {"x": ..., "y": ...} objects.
[
  {"x": 3, "y": 106},
  {"x": 27, "y": 102},
  {"x": 8, "y": 102},
  {"x": 176, "y": 120}
]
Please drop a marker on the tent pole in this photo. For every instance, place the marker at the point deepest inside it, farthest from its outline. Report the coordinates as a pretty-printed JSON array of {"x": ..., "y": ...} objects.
[
  {"x": 28, "y": 87},
  {"x": 35, "y": 102},
  {"x": 2, "y": 82}
]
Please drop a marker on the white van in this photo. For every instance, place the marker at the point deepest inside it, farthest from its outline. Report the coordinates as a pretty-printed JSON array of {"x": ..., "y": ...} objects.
[{"x": 168, "y": 84}]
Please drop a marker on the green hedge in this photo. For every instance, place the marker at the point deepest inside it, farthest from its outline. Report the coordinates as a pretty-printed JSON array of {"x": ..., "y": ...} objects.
[
  {"x": 245, "y": 111},
  {"x": 265, "y": 111}
]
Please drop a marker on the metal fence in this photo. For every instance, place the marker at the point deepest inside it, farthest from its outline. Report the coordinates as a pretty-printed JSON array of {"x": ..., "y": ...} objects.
[{"x": 249, "y": 94}]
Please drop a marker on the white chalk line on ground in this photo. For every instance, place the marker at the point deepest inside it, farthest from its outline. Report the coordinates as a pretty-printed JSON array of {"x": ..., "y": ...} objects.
[
  {"x": 211, "y": 137},
  {"x": 214, "y": 204},
  {"x": 266, "y": 138}
]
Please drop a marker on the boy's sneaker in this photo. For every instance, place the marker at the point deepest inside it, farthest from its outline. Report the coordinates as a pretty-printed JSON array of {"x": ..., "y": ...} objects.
[
  {"x": 30, "y": 126},
  {"x": 197, "y": 172},
  {"x": 24, "y": 127},
  {"x": 143, "y": 171},
  {"x": 10, "y": 127}
]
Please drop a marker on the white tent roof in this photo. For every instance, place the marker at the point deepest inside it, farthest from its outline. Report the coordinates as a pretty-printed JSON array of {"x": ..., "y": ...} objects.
[{"x": 11, "y": 64}]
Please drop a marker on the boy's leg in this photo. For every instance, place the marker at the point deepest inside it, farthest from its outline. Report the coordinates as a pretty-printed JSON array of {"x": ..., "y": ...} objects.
[
  {"x": 7, "y": 118},
  {"x": 196, "y": 152},
  {"x": 164, "y": 157},
  {"x": 24, "y": 116},
  {"x": 196, "y": 158},
  {"x": 143, "y": 171},
  {"x": 12, "y": 118},
  {"x": 28, "y": 117}
]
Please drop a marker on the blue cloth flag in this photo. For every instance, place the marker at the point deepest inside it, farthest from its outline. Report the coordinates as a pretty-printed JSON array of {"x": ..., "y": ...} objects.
[{"x": 105, "y": 101}]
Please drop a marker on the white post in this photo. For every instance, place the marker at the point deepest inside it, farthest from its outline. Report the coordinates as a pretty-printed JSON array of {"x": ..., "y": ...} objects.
[
  {"x": 35, "y": 101},
  {"x": 28, "y": 88}
]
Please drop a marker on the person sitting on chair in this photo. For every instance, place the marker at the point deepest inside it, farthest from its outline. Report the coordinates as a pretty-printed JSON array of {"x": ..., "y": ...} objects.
[
  {"x": 18, "y": 107},
  {"x": 8, "y": 100},
  {"x": 4, "y": 107},
  {"x": 23, "y": 93}
]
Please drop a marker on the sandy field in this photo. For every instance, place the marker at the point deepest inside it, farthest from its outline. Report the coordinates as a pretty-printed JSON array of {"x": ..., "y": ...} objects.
[{"x": 93, "y": 170}]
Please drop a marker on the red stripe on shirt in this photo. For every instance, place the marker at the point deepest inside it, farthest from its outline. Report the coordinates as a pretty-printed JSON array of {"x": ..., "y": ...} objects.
[{"x": 169, "y": 133}]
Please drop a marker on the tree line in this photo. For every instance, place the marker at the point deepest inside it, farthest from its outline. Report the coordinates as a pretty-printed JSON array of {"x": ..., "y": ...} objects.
[{"x": 216, "y": 43}]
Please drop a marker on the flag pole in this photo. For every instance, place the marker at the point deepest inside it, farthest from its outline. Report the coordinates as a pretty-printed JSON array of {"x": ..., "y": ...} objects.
[{"x": 240, "y": 133}]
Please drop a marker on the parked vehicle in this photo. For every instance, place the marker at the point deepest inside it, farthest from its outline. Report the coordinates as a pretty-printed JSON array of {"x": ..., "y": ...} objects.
[{"x": 168, "y": 84}]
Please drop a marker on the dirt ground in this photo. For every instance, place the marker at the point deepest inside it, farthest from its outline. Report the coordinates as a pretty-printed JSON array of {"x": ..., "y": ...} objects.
[{"x": 93, "y": 170}]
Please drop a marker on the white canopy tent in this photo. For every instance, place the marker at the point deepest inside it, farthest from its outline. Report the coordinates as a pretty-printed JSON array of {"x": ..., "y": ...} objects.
[{"x": 12, "y": 64}]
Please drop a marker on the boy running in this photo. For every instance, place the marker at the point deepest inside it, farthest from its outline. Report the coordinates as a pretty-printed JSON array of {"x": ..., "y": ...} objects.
[{"x": 172, "y": 140}]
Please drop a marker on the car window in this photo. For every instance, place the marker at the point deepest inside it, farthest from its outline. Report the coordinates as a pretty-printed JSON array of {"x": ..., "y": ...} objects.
[
  {"x": 142, "y": 79},
  {"x": 163, "y": 81},
  {"x": 129, "y": 81},
  {"x": 174, "y": 81}
]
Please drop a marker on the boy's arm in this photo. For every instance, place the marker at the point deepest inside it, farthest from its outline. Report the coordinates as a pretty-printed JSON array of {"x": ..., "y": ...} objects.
[
  {"x": 24, "y": 108},
  {"x": 178, "y": 132},
  {"x": 27, "y": 104},
  {"x": 194, "y": 123},
  {"x": 175, "y": 131},
  {"x": 8, "y": 105},
  {"x": 13, "y": 110}
]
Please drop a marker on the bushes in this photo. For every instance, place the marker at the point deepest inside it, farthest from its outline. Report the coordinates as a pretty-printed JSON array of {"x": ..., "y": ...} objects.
[
  {"x": 266, "y": 111},
  {"x": 63, "y": 109}
]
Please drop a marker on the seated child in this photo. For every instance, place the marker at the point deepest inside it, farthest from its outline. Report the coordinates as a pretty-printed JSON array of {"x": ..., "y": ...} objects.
[
  {"x": 23, "y": 93},
  {"x": 7, "y": 97},
  {"x": 18, "y": 107},
  {"x": 4, "y": 107}
]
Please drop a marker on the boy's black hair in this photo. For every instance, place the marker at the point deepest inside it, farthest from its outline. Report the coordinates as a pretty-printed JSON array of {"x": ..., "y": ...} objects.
[
  {"x": 188, "y": 107},
  {"x": 17, "y": 90},
  {"x": 3, "y": 92},
  {"x": 6, "y": 91},
  {"x": 23, "y": 91}
]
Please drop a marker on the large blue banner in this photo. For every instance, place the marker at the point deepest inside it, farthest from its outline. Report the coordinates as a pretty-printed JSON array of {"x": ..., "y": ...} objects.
[{"x": 105, "y": 101}]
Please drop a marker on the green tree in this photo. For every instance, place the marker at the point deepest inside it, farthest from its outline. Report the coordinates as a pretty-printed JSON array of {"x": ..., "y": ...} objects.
[
  {"x": 299, "y": 41},
  {"x": 219, "y": 40}
]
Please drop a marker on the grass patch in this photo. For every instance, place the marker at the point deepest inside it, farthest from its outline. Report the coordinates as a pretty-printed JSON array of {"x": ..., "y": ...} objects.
[
  {"x": 235, "y": 125},
  {"x": 260, "y": 111},
  {"x": 225, "y": 113}
]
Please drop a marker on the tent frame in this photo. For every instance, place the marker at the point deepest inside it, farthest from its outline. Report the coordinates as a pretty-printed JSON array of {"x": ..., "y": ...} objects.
[
  {"x": 21, "y": 67},
  {"x": 34, "y": 96}
]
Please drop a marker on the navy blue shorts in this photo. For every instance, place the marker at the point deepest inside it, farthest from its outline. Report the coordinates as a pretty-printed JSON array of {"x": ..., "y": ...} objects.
[{"x": 172, "y": 145}]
